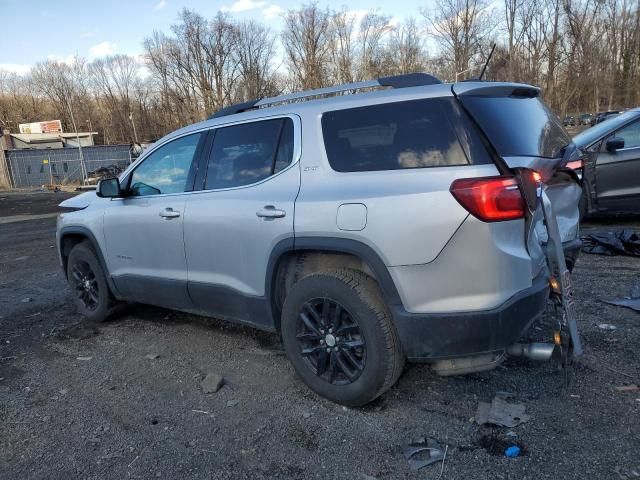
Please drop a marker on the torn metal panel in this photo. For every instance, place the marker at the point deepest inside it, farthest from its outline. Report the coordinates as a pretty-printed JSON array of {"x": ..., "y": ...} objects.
[{"x": 502, "y": 413}]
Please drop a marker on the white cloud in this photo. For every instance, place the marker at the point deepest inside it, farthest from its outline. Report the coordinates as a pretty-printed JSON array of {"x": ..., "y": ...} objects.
[
  {"x": 272, "y": 11},
  {"x": 103, "y": 49},
  {"x": 160, "y": 5},
  {"x": 18, "y": 68},
  {"x": 57, "y": 58},
  {"x": 244, "y": 6}
]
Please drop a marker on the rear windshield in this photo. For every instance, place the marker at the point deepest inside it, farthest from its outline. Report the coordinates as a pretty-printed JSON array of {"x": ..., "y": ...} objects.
[
  {"x": 518, "y": 126},
  {"x": 401, "y": 135}
]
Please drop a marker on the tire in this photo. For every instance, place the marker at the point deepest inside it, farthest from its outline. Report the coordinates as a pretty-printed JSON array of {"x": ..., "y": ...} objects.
[
  {"x": 369, "y": 347},
  {"x": 93, "y": 299}
]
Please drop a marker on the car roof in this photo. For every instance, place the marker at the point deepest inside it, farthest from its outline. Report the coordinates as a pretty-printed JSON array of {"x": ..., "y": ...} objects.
[{"x": 308, "y": 103}]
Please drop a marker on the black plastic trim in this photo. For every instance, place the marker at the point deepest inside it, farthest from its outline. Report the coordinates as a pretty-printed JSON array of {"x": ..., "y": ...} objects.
[
  {"x": 161, "y": 292},
  {"x": 71, "y": 209},
  {"x": 428, "y": 337},
  {"x": 224, "y": 302},
  {"x": 85, "y": 232},
  {"x": 498, "y": 161},
  {"x": 337, "y": 245}
]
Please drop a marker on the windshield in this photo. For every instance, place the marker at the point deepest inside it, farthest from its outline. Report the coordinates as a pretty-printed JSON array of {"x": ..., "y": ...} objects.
[
  {"x": 595, "y": 133},
  {"x": 518, "y": 126}
]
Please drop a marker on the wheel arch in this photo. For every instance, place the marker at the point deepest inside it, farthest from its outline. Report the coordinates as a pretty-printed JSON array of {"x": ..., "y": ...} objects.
[
  {"x": 291, "y": 259},
  {"x": 71, "y": 236}
]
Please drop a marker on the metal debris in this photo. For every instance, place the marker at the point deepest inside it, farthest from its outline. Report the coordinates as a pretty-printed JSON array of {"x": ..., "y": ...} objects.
[
  {"x": 502, "y": 413},
  {"x": 631, "y": 301},
  {"x": 434, "y": 453},
  {"x": 606, "y": 326},
  {"x": 628, "y": 388}
]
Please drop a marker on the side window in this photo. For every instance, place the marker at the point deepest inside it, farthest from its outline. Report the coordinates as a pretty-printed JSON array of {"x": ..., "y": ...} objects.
[
  {"x": 630, "y": 134},
  {"x": 165, "y": 170},
  {"x": 285, "y": 148},
  {"x": 392, "y": 136},
  {"x": 250, "y": 152}
]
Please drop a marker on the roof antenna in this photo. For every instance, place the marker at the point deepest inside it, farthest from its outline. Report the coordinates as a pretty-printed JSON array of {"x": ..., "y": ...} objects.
[{"x": 487, "y": 62}]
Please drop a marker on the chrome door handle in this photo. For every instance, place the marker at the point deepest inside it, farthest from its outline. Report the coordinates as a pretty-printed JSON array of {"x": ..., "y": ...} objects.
[
  {"x": 169, "y": 213},
  {"x": 269, "y": 211}
]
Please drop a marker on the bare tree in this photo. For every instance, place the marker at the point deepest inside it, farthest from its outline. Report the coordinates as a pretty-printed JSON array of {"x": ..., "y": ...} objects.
[
  {"x": 584, "y": 53},
  {"x": 114, "y": 80},
  {"x": 406, "y": 49},
  {"x": 306, "y": 43},
  {"x": 254, "y": 55},
  {"x": 374, "y": 27},
  {"x": 341, "y": 46},
  {"x": 460, "y": 27}
]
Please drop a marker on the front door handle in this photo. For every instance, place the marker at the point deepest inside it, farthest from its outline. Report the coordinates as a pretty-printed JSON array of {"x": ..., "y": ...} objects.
[
  {"x": 269, "y": 211},
  {"x": 169, "y": 213}
]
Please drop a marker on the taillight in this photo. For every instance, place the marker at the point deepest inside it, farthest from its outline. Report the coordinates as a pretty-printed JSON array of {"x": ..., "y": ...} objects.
[
  {"x": 491, "y": 199},
  {"x": 575, "y": 164}
]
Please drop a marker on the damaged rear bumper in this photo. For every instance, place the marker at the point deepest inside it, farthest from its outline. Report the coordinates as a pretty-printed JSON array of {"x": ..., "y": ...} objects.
[{"x": 430, "y": 337}]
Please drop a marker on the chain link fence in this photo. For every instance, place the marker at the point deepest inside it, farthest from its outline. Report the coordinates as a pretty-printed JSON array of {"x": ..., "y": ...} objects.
[{"x": 62, "y": 166}]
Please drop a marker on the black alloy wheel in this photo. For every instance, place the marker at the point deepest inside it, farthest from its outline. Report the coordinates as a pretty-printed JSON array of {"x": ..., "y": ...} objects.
[
  {"x": 88, "y": 283},
  {"x": 331, "y": 342},
  {"x": 85, "y": 284}
]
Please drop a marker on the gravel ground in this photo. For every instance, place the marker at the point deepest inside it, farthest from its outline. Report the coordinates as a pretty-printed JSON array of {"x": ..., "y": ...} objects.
[{"x": 123, "y": 399}]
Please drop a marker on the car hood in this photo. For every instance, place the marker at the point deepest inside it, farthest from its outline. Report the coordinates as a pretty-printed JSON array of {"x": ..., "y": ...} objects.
[{"x": 79, "y": 201}]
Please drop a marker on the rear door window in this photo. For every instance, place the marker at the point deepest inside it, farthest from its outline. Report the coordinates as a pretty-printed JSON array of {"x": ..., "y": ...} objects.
[
  {"x": 248, "y": 153},
  {"x": 518, "y": 126},
  {"x": 395, "y": 136}
]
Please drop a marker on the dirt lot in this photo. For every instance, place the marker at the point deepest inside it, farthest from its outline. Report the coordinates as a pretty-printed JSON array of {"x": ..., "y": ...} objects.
[{"x": 87, "y": 401}]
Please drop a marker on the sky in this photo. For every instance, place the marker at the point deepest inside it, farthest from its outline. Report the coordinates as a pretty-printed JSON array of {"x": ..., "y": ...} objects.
[{"x": 38, "y": 30}]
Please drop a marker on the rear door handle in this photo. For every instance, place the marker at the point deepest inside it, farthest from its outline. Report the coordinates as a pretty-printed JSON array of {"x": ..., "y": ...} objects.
[
  {"x": 169, "y": 213},
  {"x": 269, "y": 211}
]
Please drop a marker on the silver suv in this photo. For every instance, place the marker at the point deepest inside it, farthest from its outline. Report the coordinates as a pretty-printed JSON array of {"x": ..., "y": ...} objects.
[{"x": 368, "y": 224}]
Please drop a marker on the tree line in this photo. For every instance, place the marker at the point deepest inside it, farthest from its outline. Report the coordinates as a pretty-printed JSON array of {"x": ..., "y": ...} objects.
[{"x": 585, "y": 54}]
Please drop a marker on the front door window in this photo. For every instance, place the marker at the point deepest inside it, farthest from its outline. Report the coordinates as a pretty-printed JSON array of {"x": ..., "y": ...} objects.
[{"x": 165, "y": 170}]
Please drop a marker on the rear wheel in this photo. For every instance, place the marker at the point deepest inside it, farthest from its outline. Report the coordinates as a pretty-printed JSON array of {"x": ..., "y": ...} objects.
[
  {"x": 88, "y": 283},
  {"x": 339, "y": 336}
]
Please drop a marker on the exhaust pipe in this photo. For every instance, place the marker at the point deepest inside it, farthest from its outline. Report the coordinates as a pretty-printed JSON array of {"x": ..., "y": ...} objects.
[{"x": 533, "y": 351}]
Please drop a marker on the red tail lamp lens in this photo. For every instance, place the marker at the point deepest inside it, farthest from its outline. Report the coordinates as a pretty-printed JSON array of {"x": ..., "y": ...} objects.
[
  {"x": 491, "y": 199},
  {"x": 575, "y": 165}
]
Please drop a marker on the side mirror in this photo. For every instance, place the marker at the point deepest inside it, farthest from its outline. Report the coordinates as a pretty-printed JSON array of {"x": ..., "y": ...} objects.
[
  {"x": 614, "y": 143},
  {"x": 109, "y": 188}
]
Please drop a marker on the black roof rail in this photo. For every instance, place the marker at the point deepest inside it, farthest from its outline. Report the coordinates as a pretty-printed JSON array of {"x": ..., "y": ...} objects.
[
  {"x": 236, "y": 108},
  {"x": 395, "y": 81}
]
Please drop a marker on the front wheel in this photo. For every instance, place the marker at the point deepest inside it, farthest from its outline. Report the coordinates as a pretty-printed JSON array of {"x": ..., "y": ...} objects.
[
  {"x": 340, "y": 338},
  {"x": 88, "y": 283}
]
